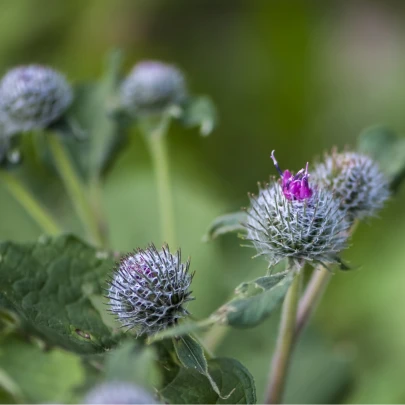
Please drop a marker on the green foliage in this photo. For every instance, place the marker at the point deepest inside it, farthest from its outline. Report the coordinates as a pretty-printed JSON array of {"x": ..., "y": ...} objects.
[
  {"x": 225, "y": 224},
  {"x": 191, "y": 387},
  {"x": 200, "y": 112},
  {"x": 133, "y": 363},
  {"x": 387, "y": 148},
  {"x": 255, "y": 301},
  {"x": 30, "y": 374},
  {"x": 48, "y": 284},
  {"x": 191, "y": 356}
]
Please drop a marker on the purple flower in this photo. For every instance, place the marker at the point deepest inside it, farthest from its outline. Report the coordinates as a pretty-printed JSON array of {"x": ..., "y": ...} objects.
[{"x": 295, "y": 187}]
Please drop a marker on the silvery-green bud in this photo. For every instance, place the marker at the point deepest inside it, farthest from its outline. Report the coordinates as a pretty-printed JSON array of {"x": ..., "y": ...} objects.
[
  {"x": 117, "y": 392},
  {"x": 32, "y": 97},
  {"x": 292, "y": 220},
  {"x": 356, "y": 180},
  {"x": 149, "y": 288},
  {"x": 151, "y": 87}
]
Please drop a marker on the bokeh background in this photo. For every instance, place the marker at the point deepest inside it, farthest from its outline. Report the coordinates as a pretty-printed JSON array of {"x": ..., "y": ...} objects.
[{"x": 297, "y": 77}]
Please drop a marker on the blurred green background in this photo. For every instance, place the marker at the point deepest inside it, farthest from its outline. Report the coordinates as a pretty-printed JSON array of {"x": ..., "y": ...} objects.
[{"x": 296, "y": 76}]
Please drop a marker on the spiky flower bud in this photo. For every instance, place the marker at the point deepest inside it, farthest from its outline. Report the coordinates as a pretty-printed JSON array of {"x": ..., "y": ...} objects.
[
  {"x": 292, "y": 220},
  {"x": 32, "y": 97},
  {"x": 356, "y": 180},
  {"x": 151, "y": 87},
  {"x": 149, "y": 288},
  {"x": 117, "y": 392}
]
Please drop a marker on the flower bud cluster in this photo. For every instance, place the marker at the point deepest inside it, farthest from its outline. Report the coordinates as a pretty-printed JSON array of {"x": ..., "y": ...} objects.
[{"x": 310, "y": 220}]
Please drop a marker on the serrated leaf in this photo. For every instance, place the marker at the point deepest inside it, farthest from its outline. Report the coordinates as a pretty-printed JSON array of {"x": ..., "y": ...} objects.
[
  {"x": 133, "y": 363},
  {"x": 200, "y": 112},
  {"x": 225, "y": 224},
  {"x": 48, "y": 284},
  {"x": 257, "y": 302},
  {"x": 388, "y": 149},
  {"x": 183, "y": 329},
  {"x": 191, "y": 355},
  {"x": 191, "y": 387},
  {"x": 39, "y": 376}
]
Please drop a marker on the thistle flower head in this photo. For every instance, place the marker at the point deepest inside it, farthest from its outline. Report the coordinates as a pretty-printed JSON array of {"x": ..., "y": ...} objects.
[
  {"x": 32, "y": 97},
  {"x": 292, "y": 220},
  {"x": 356, "y": 180},
  {"x": 117, "y": 392},
  {"x": 151, "y": 87},
  {"x": 149, "y": 288}
]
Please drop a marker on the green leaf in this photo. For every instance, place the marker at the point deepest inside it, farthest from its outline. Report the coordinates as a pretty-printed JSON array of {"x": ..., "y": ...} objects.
[
  {"x": 36, "y": 376},
  {"x": 48, "y": 285},
  {"x": 388, "y": 149},
  {"x": 183, "y": 329},
  {"x": 191, "y": 355},
  {"x": 134, "y": 363},
  {"x": 255, "y": 301},
  {"x": 191, "y": 387},
  {"x": 225, "y": 224},
  {"x": 200, "y": 112}
]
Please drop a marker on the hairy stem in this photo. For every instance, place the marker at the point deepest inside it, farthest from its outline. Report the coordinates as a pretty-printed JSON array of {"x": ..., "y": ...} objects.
[
  {"x": 75, "y": 189},
  {"x": 285, "y": 341},
  {"x": 157, "y": 143},
  {"x": 31, "y": 205}
]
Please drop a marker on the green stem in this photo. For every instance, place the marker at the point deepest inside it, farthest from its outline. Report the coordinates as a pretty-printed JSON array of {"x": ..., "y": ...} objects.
[
  {"x": 214, "y": 337},
  {"x": 74, "y": 188},
  {"x": 157, "y": 143},
  {"x": 312, "y": 295},
  {"x": 96, "y": 199},
  {"x": 33, "y": 207},
  {"x": 284, "y": 346}
]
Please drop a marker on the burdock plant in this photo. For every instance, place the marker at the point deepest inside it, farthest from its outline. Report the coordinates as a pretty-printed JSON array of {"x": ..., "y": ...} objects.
[{"x": 140, "y": 337}]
